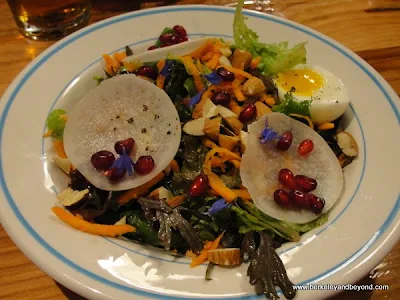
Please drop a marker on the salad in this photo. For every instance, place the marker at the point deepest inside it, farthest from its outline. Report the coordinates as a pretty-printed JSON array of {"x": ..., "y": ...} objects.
[{"x": 221, "y": 154}]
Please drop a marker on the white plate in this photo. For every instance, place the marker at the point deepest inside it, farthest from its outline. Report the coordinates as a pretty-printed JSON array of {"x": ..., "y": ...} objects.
[{"x": 362, "y": 228}]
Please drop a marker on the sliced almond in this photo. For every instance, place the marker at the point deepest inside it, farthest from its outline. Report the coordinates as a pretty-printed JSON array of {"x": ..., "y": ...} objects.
[
  {"x": 225, "y": 51},
  {"x": 63, "y": 163},
  {"x": 198, "y": 109},
  {"x": 122, "y": 221},
  {"x": 225, "y": 256},
  {"x": 241, "y": 59},
  {"x": 234, "y": 124},
  {"x": 253, "y": 87},
  {"x": 347, "y": 143},
  {"x": 209, "y": 109},
  {"x": 69, "y": 196},
  {"x": 160, "y": 193},
  {"x": 225, "y": 112},
  {"x": 228, "y": 142},
  {"x": 262, "y": 109},
  {"x": 195, "y": 127},
  {"x": 212, "y": 128},
  {"x": 243, "y": 140}
]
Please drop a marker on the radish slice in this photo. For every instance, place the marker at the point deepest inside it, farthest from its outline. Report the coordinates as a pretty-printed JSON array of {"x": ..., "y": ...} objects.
[
  {"x": 261, "y": 164},
  {"x": 119, "y": 108}
]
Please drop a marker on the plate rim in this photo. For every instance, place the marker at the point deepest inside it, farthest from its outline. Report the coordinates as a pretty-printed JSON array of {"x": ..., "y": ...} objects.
[{"x": 25, "y": 74}]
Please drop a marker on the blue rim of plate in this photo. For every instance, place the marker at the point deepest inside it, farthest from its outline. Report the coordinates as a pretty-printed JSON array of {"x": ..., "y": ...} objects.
[{"x": 163, "y": 10}]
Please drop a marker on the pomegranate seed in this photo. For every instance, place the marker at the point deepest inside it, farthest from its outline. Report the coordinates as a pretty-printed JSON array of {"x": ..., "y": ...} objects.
[
  {"x": 285, "y": 141},
  {"x": 221, "y": 98},
  {"x": 147, "y": 71},
  {"x": 144, "y": 165},
  {"x": 248, "y": 113},
  {"x": 316, "y": 204},
  {"x": 102, "y": 160},
  {"x": 152, "y": 47},
  {"x": 183, "y": 39},
  {"x": 127, "y": 144},
  {"x": 281, "y": 197},
  {"x": 179, "y": 30},
  {"x": 115, "y": 174},
  {"x": 286, "y": 177},
  {"x": 299, "y": 198},
  {"x": 166, "y": 38},
  {"x": 175, "y": 39},
  {"x": 198, "y": 186},
  {"x": 305, "y": 184},
  {"x": 225, "y": 74},
  {"x": 305, "y": 147}
]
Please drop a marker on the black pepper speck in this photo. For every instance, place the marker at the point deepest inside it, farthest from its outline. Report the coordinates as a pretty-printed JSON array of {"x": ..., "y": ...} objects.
[
  {"x": 144, "y": 130},
  {"x": 130, "y": 120}
]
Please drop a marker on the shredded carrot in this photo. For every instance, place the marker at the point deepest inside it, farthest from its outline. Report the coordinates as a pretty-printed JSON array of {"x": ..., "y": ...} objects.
[
  {"x": 236, "y": 163},
  {"x": 310, "y": 123},
  {"x": 204, "y": 253},
  {"x": 119, "y": 56},
  {"x": 140, "y": 190},
  {"x": 341, "y": 159},
  {"x": 218, "y": 162},
  {"x": 77, "y": 222},
  {"x": 160, "y": 64},
  {"x": 220, "y": 188},
  {"x": 63, "y": 117},
  {"x": 243, "y": 194},
  {"x": 206, "y": 47},
  {"x": 160, "y": 81},
  {"x": 111, "y": 64},
  {"x": 189, "y": 253},
  {"x": 238, "y": 94},
  {"x": 174, "y": 165},
  {"x": 48, "y": 133},
  {"x": 234, "y": 107},
  {"x": 59, "y": 147},
  {"x": 268, "y": 99},
  {"x": 239, "y": 72},
  {"x": 207, "y": 56},
  {"x": 188, "y": 62},
  {"x": 208, "y": 143},
  {"x": 254, "y": 62},
  {"x": 326, "y": 126},
  {"x": 131, "y": 66},
  {"x": 213, "y": 62},
  {"x": 176, "y": 201},
  {"x": 199, "y": 66}
]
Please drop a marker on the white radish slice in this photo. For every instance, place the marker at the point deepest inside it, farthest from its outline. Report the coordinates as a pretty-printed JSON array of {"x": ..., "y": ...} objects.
[
  {"x": 261, "y": 164},
  {"x": 119, "y": 108}
]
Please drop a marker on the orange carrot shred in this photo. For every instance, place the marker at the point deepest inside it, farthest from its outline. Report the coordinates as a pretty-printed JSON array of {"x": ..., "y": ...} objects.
[
  {"x": 326, "y": 126},
  {"x": 119, "y": 56},
  {"x": 111, "y": 65},
  {"x": 243, "y": 194},
  {"x": 48, "y": 133},
  {"x": 213, "y": 62},
  {"x": 59, "y": 147},
  {"x": 140, "y": 190},
  {"x": 254, "y": 62},
  {"x": 202, "y": 49},
  {"x": 239, "y": 72},
  {"x": 78, "y": 223},
  {"x": 234, "y": 107},
  {"x": 176, "y": 201},
  {"x": 174, "y": 165},
  {"x": 160, "y": 81},
  {"x": 204, "y": 253},
  {"x": 238, "y": 94},
  {"x": 188, "y": 62}
]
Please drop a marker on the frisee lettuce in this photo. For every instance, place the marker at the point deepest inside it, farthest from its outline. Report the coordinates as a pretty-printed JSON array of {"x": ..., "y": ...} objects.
[
  {"x": 289, "y": 106},
  {"x": 56, "y": 124},
  {"x": 275, "y": 58}
]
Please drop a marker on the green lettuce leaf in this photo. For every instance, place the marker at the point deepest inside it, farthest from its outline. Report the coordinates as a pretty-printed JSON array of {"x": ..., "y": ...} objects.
[
  {"x": 56, "y": 124},
  {"x": 275, "y": 58},
  {"x": 289, "y": 106}
]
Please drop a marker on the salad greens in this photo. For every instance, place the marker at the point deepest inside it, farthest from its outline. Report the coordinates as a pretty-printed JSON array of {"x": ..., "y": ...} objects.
[
  {"x": 275, "y": 58},
  {"x": 56, "y": 124},
  {"x": 289, "y": 106}
]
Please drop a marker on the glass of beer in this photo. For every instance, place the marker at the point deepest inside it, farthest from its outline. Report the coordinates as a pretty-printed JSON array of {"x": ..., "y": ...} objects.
[{"x": 45, "y": 20}]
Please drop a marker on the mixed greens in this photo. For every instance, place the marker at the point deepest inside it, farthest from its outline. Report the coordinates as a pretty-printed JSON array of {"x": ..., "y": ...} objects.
[{"x": 166, "y": 212}]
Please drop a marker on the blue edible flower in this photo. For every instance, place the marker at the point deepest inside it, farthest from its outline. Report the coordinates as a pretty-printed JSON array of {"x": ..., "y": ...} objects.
[
  {"x": 267, "y": 134},
  {"x": 218, "y": 206},
  {"x": 214, "y": 78},
  {"x": 124, "y": 162},
  {"x": 196, "y": 99},
  {"x": 166, "y": 70}
]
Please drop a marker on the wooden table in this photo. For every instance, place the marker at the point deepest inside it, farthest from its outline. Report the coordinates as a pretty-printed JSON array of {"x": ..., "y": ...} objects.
[{"x": 370, "y": 28}]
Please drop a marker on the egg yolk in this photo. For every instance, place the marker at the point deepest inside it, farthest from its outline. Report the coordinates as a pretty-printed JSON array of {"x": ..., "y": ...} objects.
[{"x": 304, "y": 81}]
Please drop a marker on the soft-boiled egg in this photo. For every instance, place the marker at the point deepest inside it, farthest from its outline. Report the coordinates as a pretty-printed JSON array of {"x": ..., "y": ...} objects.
[{"x": 328, "y": 93}]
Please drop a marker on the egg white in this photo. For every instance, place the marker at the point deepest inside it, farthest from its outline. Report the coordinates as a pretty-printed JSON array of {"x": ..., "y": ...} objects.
[{"x": 329, "y": 101}]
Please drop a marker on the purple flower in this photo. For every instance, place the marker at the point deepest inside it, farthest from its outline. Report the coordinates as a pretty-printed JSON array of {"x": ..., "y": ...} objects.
[
  {"x": 218, "y": 206},
  {"x": 166, "y": 70},
  {"x": 124, "y": 162},
  {"x": 214, "y": 78},
  {"x": 196, "y": 99},
  {"x": 267, "y": 134}
]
